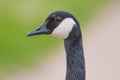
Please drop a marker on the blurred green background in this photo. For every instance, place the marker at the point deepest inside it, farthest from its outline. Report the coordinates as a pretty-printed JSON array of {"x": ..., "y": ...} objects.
[{"x": 17, "y": 17}]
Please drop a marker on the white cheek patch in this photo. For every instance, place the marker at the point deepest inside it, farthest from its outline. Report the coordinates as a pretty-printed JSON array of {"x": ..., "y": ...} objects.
[{"x": 64, "y": 28}]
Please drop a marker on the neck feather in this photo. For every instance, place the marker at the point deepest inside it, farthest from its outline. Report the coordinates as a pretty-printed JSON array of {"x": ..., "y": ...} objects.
[{"x": 75, "y": 58}]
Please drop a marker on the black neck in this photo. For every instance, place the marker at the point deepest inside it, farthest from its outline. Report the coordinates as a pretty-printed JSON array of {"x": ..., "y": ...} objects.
[{"x": 75, "y": 58}]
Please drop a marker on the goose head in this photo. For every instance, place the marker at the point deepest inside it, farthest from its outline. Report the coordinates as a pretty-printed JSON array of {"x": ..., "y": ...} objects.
[{"x": 59, "y": 24}]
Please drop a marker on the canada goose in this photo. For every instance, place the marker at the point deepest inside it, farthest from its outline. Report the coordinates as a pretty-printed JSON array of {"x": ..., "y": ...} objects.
[{"x": 64, "y": 25}]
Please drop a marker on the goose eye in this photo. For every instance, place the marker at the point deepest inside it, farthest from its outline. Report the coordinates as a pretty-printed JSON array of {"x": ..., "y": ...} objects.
[{"x": 58, "y": 18}]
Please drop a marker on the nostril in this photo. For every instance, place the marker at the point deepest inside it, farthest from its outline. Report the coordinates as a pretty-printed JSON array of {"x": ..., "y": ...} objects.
[{"x": 38, "y": 29}]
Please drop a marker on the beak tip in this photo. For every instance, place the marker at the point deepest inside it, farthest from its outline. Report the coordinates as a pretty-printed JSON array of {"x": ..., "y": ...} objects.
[
  {"x": 41, "y": 30},
  {"x": 28, "y": 34}
]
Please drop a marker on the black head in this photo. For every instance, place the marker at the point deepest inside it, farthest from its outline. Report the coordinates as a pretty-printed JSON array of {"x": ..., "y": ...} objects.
[{"x": 58, "y": 24}]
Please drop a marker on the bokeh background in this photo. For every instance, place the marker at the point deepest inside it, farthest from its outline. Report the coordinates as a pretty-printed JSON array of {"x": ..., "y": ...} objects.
[{"x": 17, "y": 17}]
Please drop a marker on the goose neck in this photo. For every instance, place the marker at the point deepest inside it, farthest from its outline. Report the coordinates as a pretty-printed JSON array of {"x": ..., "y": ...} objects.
[{"x": 75, "y": 59}]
